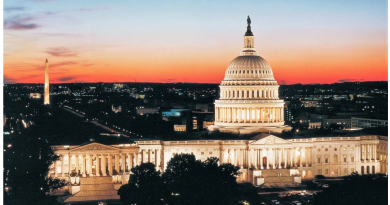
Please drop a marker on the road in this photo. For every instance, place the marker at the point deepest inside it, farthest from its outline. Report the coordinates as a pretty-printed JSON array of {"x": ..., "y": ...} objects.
[{"x": 97, "y": 124}]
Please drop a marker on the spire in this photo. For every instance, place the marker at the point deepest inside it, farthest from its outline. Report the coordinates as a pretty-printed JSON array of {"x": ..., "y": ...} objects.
[
  {"x": 46, "y": 60},
  {"x": 248, "y": 28}
]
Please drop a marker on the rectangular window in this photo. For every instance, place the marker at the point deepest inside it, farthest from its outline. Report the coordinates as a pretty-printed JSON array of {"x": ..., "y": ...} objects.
[
  {"x": 352, "y": 170},
  {"x": 326, "y": 160},
  {"x": 326, "y": 171},
  {"x": 345, "y": 149},
  {"x": 352, "y": 159},
  {"x": 326, "y": 149},
  {"x": 202, "y": 153},
  {"x": 352, "y": 149},
  {"x": 319, "y": 171},
  {"x": 345, "y": 170},
  {"x": 318, "y": 150},
  {"x": 210, "y": 153},
  {"x": 319, "y": 160},
  {"x": 345, "y": 159}
]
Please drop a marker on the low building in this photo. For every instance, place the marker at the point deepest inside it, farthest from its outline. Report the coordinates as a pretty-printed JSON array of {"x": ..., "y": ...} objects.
[
  {"x": 35, "y": 95},
  {"x": 339, "y": 122},
  {"x": 309, "y": 103},
  {"x": 147, "y": 110},
  {"x": 179, "y": 128},
  {"x": 367, "y": 123},
  {"x": 314, "y": 125}
]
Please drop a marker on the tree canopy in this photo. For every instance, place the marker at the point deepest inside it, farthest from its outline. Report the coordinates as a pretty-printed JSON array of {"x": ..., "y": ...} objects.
[
  {"x": 356, "y": 189},
  {"x": 186, "y": 181}
]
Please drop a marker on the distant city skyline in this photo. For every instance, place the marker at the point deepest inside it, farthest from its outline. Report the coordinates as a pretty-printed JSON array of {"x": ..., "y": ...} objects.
[{"x": 172, "y": 41}]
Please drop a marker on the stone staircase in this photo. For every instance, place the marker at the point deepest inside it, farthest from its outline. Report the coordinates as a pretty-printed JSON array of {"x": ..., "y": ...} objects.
[
  {"x": 95, "y": 189},
  {"x": 271, "y": 177}
]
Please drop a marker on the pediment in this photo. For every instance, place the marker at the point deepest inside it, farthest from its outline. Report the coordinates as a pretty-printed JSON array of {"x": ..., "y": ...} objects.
[
  {"x": 264, "y": 139},
  {"x": 94, "y": 146}
]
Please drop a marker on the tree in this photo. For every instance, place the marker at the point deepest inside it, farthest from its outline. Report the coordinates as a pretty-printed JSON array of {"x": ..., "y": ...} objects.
[
  {"x": 26, "y": 171},
  {"x": 356, "y": 189},
  {"x": 190, "y": 181},
  {"x": 144, "y": 187},
  {"x": 186, "y": 181}
]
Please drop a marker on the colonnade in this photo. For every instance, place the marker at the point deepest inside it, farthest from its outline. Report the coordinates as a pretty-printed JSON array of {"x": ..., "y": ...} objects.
[
  {"x": 237, "y": 157},
  {"x": 268, "y": 158},
  {"x": 249, "y": 115},
  {"x": 105, "y": 164},
  {"x": 368, "y": 152},
  {"x": 239, "y": 93}
]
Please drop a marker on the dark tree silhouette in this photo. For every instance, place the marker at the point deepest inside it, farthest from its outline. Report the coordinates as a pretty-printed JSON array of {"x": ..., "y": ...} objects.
[
  {"x": 145, "y": 186},
  {"x": 356, "y": 189},
  {"x": 187, "y": 181}
]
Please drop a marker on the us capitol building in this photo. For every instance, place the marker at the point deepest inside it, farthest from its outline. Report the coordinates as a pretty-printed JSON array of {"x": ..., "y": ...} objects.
[{"x": 249, "y": 103}]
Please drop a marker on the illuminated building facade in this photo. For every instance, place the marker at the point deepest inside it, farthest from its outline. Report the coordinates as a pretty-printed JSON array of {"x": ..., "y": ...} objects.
[
  {"x": 249, "y": 94},
  {"x": 263, "y": 159}
]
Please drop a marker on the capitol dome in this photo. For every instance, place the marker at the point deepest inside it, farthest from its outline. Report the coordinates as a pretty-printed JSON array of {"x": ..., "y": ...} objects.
[
  {"x": 249, "y": 94},
  {"x": 249, "y": 67}
]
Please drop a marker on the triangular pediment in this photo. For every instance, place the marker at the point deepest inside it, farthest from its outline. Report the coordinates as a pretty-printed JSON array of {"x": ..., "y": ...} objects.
[
  {"x": 264, "y": 139},
  {"x": 94, "y": 146}
]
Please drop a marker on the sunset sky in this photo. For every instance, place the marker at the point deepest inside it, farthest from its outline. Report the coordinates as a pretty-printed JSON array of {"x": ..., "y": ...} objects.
[{"x": 192, "y": 41}]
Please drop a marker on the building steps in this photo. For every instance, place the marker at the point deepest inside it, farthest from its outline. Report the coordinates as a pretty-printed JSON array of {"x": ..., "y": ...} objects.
[{"x": 95, "y": 189}]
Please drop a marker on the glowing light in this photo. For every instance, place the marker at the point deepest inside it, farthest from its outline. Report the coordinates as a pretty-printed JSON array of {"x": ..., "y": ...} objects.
[{"x": 9, "y": 145}]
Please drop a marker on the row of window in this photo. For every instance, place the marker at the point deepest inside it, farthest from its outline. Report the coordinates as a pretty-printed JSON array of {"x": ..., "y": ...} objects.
[
  {"x": 335, "y": 149},
  {"x": 335, "y": 171},
  {"x": 335, "y": 159},
  {"x": 252, "y": 93},
  {"x": 202, "y": 153},
  {"x": 247, "y": 71}
]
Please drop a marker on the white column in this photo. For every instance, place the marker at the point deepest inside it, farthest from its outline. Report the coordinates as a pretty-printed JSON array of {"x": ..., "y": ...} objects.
[
  {"x": 104, "y": 165},
  {"x": 83, "y": 170},
  {"x": 110, "y": 165},
  {"x": 285, "y": 157},
  {"x": 77, "y": 164},
  {"x": 62, "y": 165},
  {"x": 280, "y": 158},
  {"x": 131, "y": 158},
  {"x": 69, "y": 163},
  {"x": 268, "y": 158},
  {"x": 256, "y": 158},
  {"x": 90, "y": 165},
  {"x": 300, "y": 160},
  {"x": 293, "y": 156},
  {"x": 124, "y": 162},
  {"x": 97, "y": 168},
  {"x": 117, "y": 163},
  {"x": 273, "y": 158},
  {"x": 306, "y": 154}
]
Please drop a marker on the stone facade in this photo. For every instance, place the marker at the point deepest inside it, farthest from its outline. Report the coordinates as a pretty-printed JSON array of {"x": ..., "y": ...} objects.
[{"x": 306, "y": 157}]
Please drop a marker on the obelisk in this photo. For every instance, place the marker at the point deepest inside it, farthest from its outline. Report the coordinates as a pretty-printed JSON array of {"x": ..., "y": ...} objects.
[{"x": 47, "y": 90}]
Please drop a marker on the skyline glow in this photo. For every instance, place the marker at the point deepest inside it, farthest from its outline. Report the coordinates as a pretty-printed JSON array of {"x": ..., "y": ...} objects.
[{"x": 192, "y": 41}]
